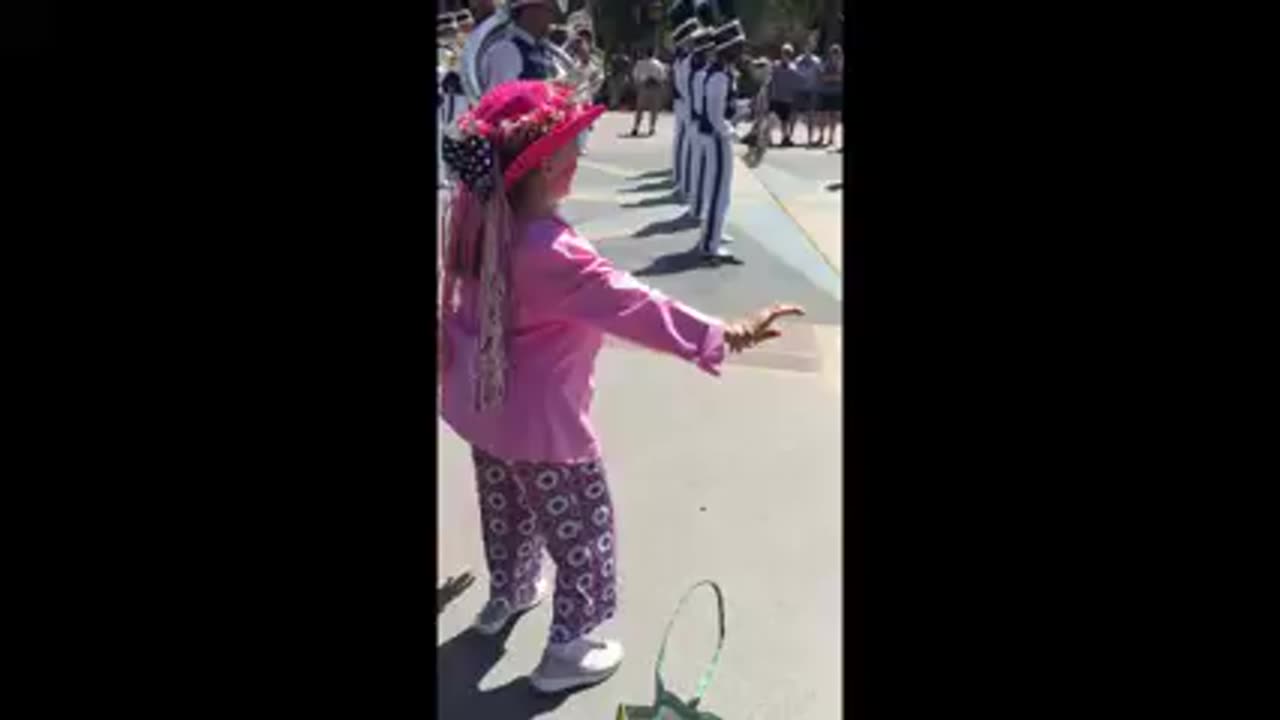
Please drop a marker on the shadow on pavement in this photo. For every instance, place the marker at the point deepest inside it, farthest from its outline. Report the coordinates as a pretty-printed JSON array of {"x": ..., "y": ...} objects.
[
  {"x": 462, "y": 662},
  {"x": 667, "y": 227},
  {"x": 452, "y": 589},
  {"x": 659, "y": 185},
  {"x": 669, "y": 199},
  {"x": 651, "y": 174},
  {"x": 676, "y": 262}
]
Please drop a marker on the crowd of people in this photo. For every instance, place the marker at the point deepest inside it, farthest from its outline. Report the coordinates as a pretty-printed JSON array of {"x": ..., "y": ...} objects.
[
  {"x": 806, "y": 87},
  {"x": 802, "y": 88}
]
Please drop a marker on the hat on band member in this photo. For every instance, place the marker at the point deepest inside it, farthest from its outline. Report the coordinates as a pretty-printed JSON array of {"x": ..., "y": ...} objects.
[
  {"x": 684, "y": 32},
  {"x": 729, "y": 34},
  {"x": 702, "y": 40}
]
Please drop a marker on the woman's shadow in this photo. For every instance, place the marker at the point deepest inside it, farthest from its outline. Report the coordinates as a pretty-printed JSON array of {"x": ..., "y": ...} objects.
[{"x": 463, "y": 661}]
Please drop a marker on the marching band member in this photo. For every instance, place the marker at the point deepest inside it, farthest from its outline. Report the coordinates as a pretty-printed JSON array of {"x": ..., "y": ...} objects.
[
  {"x": 521, "y": 54},
  {"x": 703, "y": 42},
  {"x": 680, "y": 89},
  {"x": 717, "y": 115}
]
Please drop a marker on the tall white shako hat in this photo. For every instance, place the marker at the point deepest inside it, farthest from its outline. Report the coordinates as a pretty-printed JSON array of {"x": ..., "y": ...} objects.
[
  {"x": 684, "y": 33},
  {"x": 729, "y": 34},
  {"x": 702, "y": 40},
  {"x": 562, "y": 5}
]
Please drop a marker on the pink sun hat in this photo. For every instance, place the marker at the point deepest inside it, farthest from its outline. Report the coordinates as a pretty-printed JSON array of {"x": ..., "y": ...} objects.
[{"x": 537, "y": 109}]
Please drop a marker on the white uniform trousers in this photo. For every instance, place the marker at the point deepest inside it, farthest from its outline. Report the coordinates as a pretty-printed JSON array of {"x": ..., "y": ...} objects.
[
  {"x": 701, "y": 163},
  {"x": 677, "y": 146},
  {"x": 716, "y": 185}
]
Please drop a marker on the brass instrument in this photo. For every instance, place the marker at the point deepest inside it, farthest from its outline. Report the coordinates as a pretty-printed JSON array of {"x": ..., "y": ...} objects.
[
  {"x": 449, "y": 51},
  {"x": 760, "y": 127}
]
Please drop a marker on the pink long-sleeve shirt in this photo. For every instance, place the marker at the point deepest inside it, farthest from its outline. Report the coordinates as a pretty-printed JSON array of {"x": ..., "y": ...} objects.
[{"x": 566, "y": 297}]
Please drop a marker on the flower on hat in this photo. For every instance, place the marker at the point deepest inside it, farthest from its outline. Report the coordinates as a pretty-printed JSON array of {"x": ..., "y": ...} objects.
[{"x": 530, "y": 119}]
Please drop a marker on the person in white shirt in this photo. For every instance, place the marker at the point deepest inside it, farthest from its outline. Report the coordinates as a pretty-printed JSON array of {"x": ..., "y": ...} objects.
[
  {"x": 650, "y": 78},
  {"x": 717, "y": 116}
]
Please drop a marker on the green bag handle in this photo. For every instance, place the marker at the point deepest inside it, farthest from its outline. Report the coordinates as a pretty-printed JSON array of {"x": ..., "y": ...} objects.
[{"x": 705, "y": 680}]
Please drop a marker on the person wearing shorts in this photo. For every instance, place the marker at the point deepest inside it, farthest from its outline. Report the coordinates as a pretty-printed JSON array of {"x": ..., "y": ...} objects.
[
  {"x": 830, "y": 95},
  {"x": 786, "y": 82},
  {"x": 808, "y": 66},
  {"x": 649, "y": 77}
]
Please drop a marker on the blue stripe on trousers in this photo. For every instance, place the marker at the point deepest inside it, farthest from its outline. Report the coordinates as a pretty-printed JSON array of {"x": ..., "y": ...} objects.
[
  {"x": 687, "y": 161},
  {"x": 715, "y": 195},
  {"x": 679, "y": 152},
  {"x": 702, "y": 173}
]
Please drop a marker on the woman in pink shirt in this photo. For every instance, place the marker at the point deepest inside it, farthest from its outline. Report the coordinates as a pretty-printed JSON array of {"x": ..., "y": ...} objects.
[{"x": 526, "y": 304}]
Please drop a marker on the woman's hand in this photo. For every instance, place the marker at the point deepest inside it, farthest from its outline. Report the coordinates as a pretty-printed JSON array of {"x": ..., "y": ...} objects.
[{"x": 748, "y": 333}]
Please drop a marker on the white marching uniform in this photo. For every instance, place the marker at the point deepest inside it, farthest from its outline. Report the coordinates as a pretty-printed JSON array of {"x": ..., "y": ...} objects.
[
  {"x": 679, "y": 78},
  {"x": 718, "y": 148},
  {"x": 516, "y": 55},
  {"x": 697, "y": 149}
]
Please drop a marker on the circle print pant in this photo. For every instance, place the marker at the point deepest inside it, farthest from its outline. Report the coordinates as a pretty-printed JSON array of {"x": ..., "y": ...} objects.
[{"x": 564, "y": 509}]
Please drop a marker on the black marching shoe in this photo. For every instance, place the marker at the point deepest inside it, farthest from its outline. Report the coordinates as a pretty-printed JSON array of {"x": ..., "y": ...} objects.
[{"x": 720, "y": 256}]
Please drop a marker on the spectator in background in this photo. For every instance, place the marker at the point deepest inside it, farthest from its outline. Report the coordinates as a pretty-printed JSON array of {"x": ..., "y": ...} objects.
[
  {"x": 649, "y": 77},
  {"x": 559, "y": 36},
  {"x": 830, "y": 95},
  {"x": 787, "y": 84},
  {"x": 617, "y": 82},
  {"x": 808, "y": 65},
  {"x": 582, "y": 49}
]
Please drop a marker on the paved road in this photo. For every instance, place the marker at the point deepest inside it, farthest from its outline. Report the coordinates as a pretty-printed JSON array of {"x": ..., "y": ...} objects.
[
  {"x": 801, "y": 180},
  {"x": 735, "y": 479}
]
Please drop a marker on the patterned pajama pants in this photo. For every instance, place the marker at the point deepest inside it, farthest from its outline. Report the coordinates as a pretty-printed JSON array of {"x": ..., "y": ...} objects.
[{"x": 561, "y": 508}]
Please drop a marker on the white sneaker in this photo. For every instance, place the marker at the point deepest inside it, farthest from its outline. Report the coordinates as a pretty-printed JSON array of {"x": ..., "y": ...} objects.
[
  {"x": 576, "y": 664},
  {"x": 495, "y": 614}
]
